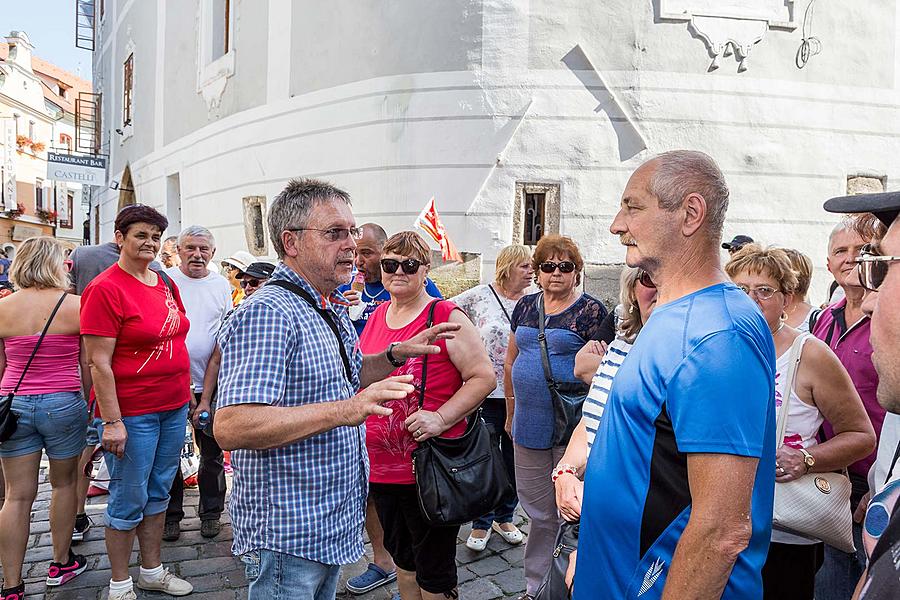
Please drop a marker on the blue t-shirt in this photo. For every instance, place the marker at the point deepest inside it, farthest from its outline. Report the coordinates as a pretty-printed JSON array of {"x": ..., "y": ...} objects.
[
  {"x": 699, "y": 379},
  {"x": 4, "y": 266},
  {"x": 375, "y": 295},
  {"x": 566, "y": 333}
]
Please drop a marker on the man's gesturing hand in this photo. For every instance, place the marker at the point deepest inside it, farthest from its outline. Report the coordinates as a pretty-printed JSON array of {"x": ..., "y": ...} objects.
[
  {"x": 369, "y": 401},
  {"x": 423, "y": 342}
]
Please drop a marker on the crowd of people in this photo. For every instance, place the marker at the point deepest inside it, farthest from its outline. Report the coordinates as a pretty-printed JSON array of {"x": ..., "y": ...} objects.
[{"x": 678, "y": 428}]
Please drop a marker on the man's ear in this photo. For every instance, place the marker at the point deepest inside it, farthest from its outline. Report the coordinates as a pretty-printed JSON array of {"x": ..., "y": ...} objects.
[
  {"x": 291, "y": 243},
  {"x": 695, "y": 212}
]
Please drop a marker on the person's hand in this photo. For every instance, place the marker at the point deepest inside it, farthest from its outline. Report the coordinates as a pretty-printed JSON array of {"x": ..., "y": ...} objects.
[
  {"x": 192, "y": 407},
  {"x": 203, "y": 405},
  {"x": 569, "y": 491},
  {"x": 789, "y": 464},
  {"x": 508, "y": 426},
  {"x": 424, "y": 424},
  {"x": 369, "y": 401},
  {"x": 859, "y": 515},
  {"x": 597, "y": 347},
  {"x": 570, "y": 571},
  {"x": 114, "y": 438},
  {"x": 353, "y": 297},
  {"x": 423, "y": 342}
]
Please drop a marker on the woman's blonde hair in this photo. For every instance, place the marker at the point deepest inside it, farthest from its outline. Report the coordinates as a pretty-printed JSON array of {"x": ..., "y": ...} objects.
[
  {"x": 408, "y": 243},
  {"x": 803, "y": 269},
  {"x": 773, "y": 262},
  {"x": 630, "y": 324},
  {"x": 39, "y": 264},
  {"x": 509, "y": 258}
]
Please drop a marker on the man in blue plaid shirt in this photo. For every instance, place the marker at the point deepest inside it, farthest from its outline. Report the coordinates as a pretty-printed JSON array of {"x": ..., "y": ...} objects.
[{"x": 289, "y": 406}]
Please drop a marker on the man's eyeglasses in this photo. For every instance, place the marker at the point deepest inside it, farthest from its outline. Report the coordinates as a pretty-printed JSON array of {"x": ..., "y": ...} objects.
[
  {"x": 644, "y": 280},
  {"x": 565, "y": 266},
  {"x": 336, "y": 234},
  {"x": 410, "y": 265},
  {"x": 762, "y": 292},
  {"x": 873, "y": 268}
]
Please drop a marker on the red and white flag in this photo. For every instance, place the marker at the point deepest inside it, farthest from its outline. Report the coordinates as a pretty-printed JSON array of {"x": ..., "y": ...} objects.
[{"x": 429, "y": 221}]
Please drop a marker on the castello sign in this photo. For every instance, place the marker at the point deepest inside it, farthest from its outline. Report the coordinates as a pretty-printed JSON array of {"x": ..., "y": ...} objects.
[{"x": 87, "y": 170}]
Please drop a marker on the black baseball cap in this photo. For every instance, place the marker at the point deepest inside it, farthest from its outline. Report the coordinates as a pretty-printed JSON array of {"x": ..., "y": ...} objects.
[
  {"x": 738, "y": 242},
  {"x": 259, "y": 270},
  {"x": 884, "y": 205}
]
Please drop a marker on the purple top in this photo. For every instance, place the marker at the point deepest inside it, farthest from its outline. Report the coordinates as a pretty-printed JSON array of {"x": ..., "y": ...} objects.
[{"x": 851, "y": 344}]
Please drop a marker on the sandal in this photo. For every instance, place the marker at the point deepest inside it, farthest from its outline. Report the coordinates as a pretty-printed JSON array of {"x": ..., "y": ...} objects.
[{"x": 373, "y": 577}]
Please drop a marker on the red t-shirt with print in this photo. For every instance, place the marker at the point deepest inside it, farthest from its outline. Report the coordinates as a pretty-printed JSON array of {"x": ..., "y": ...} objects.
[
  {"x": 150, "y": 362},
  {"x": 390, "y": 445}
]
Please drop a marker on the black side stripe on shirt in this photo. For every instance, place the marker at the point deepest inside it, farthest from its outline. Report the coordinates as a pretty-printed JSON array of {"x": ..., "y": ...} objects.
[{"x": 668, "y": 493}]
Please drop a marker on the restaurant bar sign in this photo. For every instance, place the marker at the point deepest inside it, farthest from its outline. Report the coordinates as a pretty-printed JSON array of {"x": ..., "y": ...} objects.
[{"x": 87, "y": 170}]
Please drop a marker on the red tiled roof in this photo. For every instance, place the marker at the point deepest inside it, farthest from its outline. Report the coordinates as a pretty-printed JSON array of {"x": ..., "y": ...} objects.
[{"x": 52, "y": 76}]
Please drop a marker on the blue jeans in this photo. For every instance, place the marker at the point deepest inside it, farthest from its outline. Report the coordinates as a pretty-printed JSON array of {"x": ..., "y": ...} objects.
[
  {"x": 493, "y": 411},
  {"x": 140, "y": 480},
  {"x": 277, "y": 576},
  {"x": 840, "y": 572},
  {"x": 54, "y": 422}
]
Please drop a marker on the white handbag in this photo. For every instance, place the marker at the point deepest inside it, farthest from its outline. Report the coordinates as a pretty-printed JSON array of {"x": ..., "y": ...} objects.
[{"x": 816, "y": 505}]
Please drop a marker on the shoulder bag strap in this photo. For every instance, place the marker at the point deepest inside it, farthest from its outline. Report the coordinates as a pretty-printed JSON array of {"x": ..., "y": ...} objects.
[
  {"x": 893, "y": 464},
  {"x": 167, "y": 280},
  {"x": 38, "y": 344},
  {"x": 326, "y": 316},
  {"x": 796, "y": 352},
  {"x": 428, "y": 324},
  {"x": 500, "y": 302},
  {"x": 542, "y": 341}
]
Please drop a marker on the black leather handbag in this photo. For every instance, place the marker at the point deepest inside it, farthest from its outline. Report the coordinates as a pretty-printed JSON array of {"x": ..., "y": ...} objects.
[
  {"x": 458, "y": 479},
  {"x": 8, "y": 419},
  {"x": 567, "y": 396},
  {"x": 554, "y": 587}
]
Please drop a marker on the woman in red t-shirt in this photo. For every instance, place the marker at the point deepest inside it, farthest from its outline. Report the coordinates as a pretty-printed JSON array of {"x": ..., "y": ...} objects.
[
  {"x": 134, "y": 329},
  {"x": 459, "y": 378}
]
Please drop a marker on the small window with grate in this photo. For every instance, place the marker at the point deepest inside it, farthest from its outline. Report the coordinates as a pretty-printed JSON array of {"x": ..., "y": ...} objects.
[
  {"x": 535, "y": 212},
  {"x": 127, "y": 89},
  {"x": 534, "y": 218}
]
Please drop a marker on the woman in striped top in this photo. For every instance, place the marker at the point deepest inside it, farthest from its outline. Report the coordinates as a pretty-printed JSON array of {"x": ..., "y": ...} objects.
[{"x": 597, "y": 364}]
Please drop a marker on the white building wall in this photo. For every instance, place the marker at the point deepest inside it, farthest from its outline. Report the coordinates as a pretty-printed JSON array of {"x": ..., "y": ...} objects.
[{"x": 461, "y": 99}]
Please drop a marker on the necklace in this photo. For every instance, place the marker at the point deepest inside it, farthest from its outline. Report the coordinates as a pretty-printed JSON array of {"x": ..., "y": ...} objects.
[
  {"x": 779, "y": 328},
  {"x": 367, "y": 295}
]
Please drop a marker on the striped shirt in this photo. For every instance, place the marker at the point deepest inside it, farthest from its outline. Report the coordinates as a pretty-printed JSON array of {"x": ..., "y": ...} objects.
[
  {"x": 306, "y": 499},
  {"x": 595, "y": 402}
]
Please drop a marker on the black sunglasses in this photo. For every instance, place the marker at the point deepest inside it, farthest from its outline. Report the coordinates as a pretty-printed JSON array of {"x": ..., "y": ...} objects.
[
  {"x": 644, "y": 280},
  {"x": 565, "y": 266},
  {"x": 248, "y": 281},
  {"x": 410, "y": 265}
]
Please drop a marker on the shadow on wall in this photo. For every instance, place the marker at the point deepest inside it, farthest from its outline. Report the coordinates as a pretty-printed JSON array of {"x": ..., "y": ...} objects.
[{"x": 630, "y": 140}]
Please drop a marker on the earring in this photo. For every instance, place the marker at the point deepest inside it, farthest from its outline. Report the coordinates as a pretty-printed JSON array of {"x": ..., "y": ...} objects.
[{"x": 783, "y": 317}]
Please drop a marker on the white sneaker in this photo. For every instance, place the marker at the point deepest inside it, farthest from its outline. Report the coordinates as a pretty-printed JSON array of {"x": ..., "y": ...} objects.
[
  {"x": 478, "y": 544},
  {"x": 513, "y": 537},
  {"x": 129, "y": 595},
  {"x": 167, "y": 584}
]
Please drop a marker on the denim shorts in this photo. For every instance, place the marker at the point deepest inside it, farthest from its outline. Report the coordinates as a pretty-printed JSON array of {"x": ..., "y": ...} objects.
[
  {"x": 93, "y": 432},
  {"x": 53, "y": 422},
  {"x": 277, "y": 576},
  {"x": 140, "y": 481}
]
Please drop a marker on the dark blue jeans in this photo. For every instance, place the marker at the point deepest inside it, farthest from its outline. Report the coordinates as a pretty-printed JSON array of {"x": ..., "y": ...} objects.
[
  {"x": 841, "y": 571},
  {"x": 493, "y": 410}
]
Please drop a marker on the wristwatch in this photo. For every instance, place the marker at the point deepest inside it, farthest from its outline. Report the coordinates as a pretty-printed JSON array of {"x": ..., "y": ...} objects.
[
  {"x": 390, "y": 355},
  {"x": 808, "y": 459}
]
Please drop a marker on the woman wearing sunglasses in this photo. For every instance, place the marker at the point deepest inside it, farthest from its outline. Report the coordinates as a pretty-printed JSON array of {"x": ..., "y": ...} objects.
[
  {"x": 572, "y": 319},
  {"x": 458, "y": 379},
  {"x": 49, "y": 404},
  {"x": 821, "y": 390}
]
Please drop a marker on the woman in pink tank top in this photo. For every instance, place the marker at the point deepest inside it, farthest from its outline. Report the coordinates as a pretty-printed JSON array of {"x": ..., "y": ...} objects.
[
  {"x": 50, "y": 407},
  {"x": 459, "y": 378}
]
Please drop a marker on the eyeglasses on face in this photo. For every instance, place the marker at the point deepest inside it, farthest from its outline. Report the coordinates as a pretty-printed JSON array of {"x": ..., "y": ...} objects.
[
  {"x": 410, "y": 265},
  {"x": 644, "y": 280},
  {"x": 564, "y": 266},
  {"x": 335, "y": 234},
  {"x": 762, "y": 292},
  {"x": 250, "y": 282},
  {"x": 873, "y": 268}
]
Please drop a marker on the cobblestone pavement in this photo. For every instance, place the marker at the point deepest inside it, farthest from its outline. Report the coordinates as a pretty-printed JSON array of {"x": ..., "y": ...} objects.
[{"x": 217, "y": 575}]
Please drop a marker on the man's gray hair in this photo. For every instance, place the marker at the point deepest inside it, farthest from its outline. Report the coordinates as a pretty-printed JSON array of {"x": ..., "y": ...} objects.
[
  {"x": 196, "y": 231},
  {"x": 291, "y": 208},
  {"x": 682, "y": 172}
]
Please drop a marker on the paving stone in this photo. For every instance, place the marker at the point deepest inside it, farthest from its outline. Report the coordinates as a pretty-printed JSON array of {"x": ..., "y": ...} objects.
[
  {"x": 480, "y": 589},
  {"x": 488, "y": 566},
  {"x": 510, "y": 581},
  {"x": 463, "y": 575},
  {"x": 208, "y": 565},
  {"x": 465, "y": 556},
  {"x": 173, "y": 554},
  {"x": 515, "y": 555}
]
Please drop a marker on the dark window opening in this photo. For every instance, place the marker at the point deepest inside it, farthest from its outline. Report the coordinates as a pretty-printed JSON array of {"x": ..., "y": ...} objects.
[{"x": 534, "y": 218}]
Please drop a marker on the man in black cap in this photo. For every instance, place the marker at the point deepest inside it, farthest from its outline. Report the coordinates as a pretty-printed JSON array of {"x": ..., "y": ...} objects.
[
  {"x": 255, "y": 277},
  {"x": 881, "y": 579},
  {"x": 737, "y": 242}
]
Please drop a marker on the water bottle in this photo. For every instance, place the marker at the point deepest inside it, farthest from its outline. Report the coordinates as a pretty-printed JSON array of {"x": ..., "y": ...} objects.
[{"x": 203, "y": 420}]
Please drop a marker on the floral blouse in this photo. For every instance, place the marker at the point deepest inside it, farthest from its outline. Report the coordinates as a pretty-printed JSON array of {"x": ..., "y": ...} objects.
[{"x": 492, "y": 323}]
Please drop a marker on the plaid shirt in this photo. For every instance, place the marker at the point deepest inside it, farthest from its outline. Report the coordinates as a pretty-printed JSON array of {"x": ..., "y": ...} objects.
[{"x": 306, "y": 499}]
